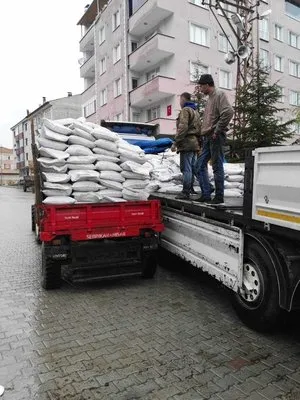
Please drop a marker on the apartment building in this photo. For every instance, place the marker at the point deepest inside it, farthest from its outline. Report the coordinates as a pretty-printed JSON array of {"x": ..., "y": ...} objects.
[
  {"x": 69, "y": 106},
  {"x": 139, "y": 55},
  {"x": 8, "y": 172}
]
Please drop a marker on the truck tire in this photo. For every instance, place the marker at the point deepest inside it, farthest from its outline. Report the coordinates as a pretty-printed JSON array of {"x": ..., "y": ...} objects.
[
  {"x": 33, "y": 218},
  {"x": 51, "y": 271},
  {"x": 257, "y": 304},
  {"x": 149, "y": 265}
]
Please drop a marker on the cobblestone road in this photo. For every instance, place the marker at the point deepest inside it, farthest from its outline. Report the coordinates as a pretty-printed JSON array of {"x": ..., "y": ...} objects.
[{"x": 174, "y": 337}]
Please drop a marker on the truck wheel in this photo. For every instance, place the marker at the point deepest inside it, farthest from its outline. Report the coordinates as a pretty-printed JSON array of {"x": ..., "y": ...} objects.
[
  {"x": 51, "y": 271},
  {"x": 257, "y": 303},
  {"x": 33, "y": 218},
  {"x": 149, "y": 265}
]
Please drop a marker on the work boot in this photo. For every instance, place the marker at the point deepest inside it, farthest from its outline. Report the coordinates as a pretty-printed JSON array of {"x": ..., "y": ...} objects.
[
  {"x": 217, "y": 200},
  {"x": 204, "y": 199},
  {"x": 182, "y": 196}
]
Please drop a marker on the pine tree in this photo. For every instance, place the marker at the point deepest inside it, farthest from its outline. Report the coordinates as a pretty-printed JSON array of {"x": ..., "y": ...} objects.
[{"x": 257, "y": 104}]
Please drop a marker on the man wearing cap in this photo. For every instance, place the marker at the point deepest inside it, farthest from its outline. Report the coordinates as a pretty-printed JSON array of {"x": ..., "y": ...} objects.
[
  {"x": 186, "y": 143},
  {"x": 217, "y": 115}
]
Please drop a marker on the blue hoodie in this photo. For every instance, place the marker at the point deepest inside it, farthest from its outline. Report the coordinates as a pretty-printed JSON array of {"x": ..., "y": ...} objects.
[{"x": 191, "y": 104}]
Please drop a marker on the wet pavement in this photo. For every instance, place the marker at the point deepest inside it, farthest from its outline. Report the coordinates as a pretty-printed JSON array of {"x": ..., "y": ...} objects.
[{"x": 173, "y": 337}]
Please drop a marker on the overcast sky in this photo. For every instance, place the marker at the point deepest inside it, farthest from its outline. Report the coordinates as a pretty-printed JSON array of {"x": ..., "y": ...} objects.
[{"x": 39, "y": 56}]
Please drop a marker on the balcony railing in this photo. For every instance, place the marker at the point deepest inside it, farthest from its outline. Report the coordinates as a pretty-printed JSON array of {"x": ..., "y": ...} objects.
[{"x": 87, "y": 70}]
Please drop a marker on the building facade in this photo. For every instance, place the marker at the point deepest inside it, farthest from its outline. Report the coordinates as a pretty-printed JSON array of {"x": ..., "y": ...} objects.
[
  {"x": 64, "y": 107},
  {"x": 8, "y": 170},
  {"x": 139, "y": 55}
]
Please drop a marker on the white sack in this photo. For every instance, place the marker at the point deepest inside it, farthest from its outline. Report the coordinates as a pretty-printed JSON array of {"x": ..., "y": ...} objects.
[
  {"x": 78, "y": 150},
  {"x": 111, "y": 184},
  {"x": 82, "y": 126},
  {"x": 133, "y": 175},
  {"x": 101, "y": 157},
  {"x": 86, "y": 186},
  {"x": 135, "y": 195},
  {"x": 110, "y": 199},
  {"x": 87, "y": 197},
  {"x": 107, "y": 145},
  {"x": 53, "y": 192},
  {"x": 232, "y": 193},
  {"x": 135, "y": 167},
  {"x": 59, "y": 200},
  {"x": 100, "y": 132},
  {"x": 81, "y": 160},
  {"x": 128, "y": 155},
  {"x": 84, "y": 175},
  {"x": 108, "y": 166},
  {"x": 57, "y": 186},
  {"x": 81, "y": 166},
  {"x": 83, "y": 134},
  {"x": 47, "y": 162},
  {"x": 57, "y": 127},
  {"x": 51, "y": 135},
  {"x": 112, "y": 176},
  {"x": 56, "y": 178},
  {"x": 51, "y": 144},
  {"x": 111, "y": 193},
  {"x": 64, "y": 121},
  {"x": 73, "y": 139},
  {"x": 135, "y": 184},
  {"x": 235, "y": 178},
  {"x": 51, "y": 153},
  {"x": 103, "y": 152},
  {"x": 54, "y": 169}
]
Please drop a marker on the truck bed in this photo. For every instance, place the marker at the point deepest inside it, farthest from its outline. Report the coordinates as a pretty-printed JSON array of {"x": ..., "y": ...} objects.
[
  {"x": 99, "y": 221},
  {"x": 231, "y": 209}
]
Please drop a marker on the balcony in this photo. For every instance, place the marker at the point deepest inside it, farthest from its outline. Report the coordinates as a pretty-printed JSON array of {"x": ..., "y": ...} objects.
[
  {"x": 19, "y": 151},
  {"x": 87, "y": 70},
  {"x": 87, "y": 42},
  {"x": 152, "y": 92},
  {"x": 155, "y": 50},
  {"x": 149, "y": 15}
]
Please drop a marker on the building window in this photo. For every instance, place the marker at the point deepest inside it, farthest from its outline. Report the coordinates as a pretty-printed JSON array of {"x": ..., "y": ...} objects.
[
  {"x": 292, "y": 9},
  {"x": 278, "y": 33},
  {"x": 119, "y": 117},
  {"x": 225, "y": 79},
  {"x": 134, "y": 83},
  {"x": 264, "y": 59},
  {"x": 294, "y": 98},
  {"x": 26, "y": 142},
  {"x": 117, "y": 53},
  {"x": 294, "y": 40},
  {"x": 153, "y": 113},
  {"x": 102, "y": 65},
  {"x": 227, "y": 8},
  {"x": 294, "y": 69},
  {"x": 136, "y": 117},
  {"x": 279, "y": 63},
  {"x": 25, "y": 126},
  {"x": 102, "y": 35},
  {"x": 223, "y": 43},
  {"x": 134, "y": 46},
  {"x": 117, "y": 87},
  {"x": 116, "y": 20},
  {"x": 103, "y": 97},
  {"x": 264, "y": 29},
  {"x": 26, "y": 156},
  {"x": 282, "y": 97},
  {"x": 198, "y": 3},
  {"x": 89, "y": 108},
  {"x": 8, "y": 158},
  {"x": 199, "y": 35},
  {"x": 196, "y": 70},
  {"x": 152, "y": 74}
]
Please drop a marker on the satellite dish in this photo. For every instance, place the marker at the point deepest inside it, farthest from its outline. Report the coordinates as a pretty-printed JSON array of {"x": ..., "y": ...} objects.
[
  {"x": 229, "y": 57},
  {"x": 243, "y": 51},
  {"x": 81, "y": 61}
]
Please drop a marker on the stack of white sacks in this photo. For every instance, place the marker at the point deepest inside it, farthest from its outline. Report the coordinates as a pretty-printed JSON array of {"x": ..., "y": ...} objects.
[{"x": 82, "y": 162}]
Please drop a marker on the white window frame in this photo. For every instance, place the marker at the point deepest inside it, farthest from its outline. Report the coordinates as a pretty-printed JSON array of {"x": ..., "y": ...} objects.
[
  {"x": 155, "y": 113},
  {"x": 118, "y": 87},
  {"x": 89, "y": 108},
  {"x": 116, "y": 20},
  {"x": 228, "y": 84},
  {"x": 117, "y": 53},
  {"x": 222, "y": 40},
  {"x": 101, "y": 35},
  {"x": 103, "y": 97},
  {"x": 119, "y": 117},
  {"x": 197, "y": 69},
  {"x": 279, "y": 67},
  {"x": 296, "y": 37},
  {"x": 102, "y": 65},
  {"x": 296, "y": 74},
  {"x": 282, "y": 98},
  {"x": 206, "y": 42},
  {"x": 278, "y": 28},
  {"x": 152, "y": 74},
  {"x": 265, "y": 61},
  {"x": 264, "y": 29},
  {"x": 296, "y": 96}
]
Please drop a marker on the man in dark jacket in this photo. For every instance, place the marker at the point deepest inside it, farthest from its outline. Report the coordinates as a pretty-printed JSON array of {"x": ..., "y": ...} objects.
[
  {"x": 217, "y": 115},
  {"x": 188, "y": 126}
]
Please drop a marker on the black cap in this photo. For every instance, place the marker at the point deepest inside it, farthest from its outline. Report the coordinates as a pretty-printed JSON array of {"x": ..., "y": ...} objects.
[{"x": 206, "y": 79}]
